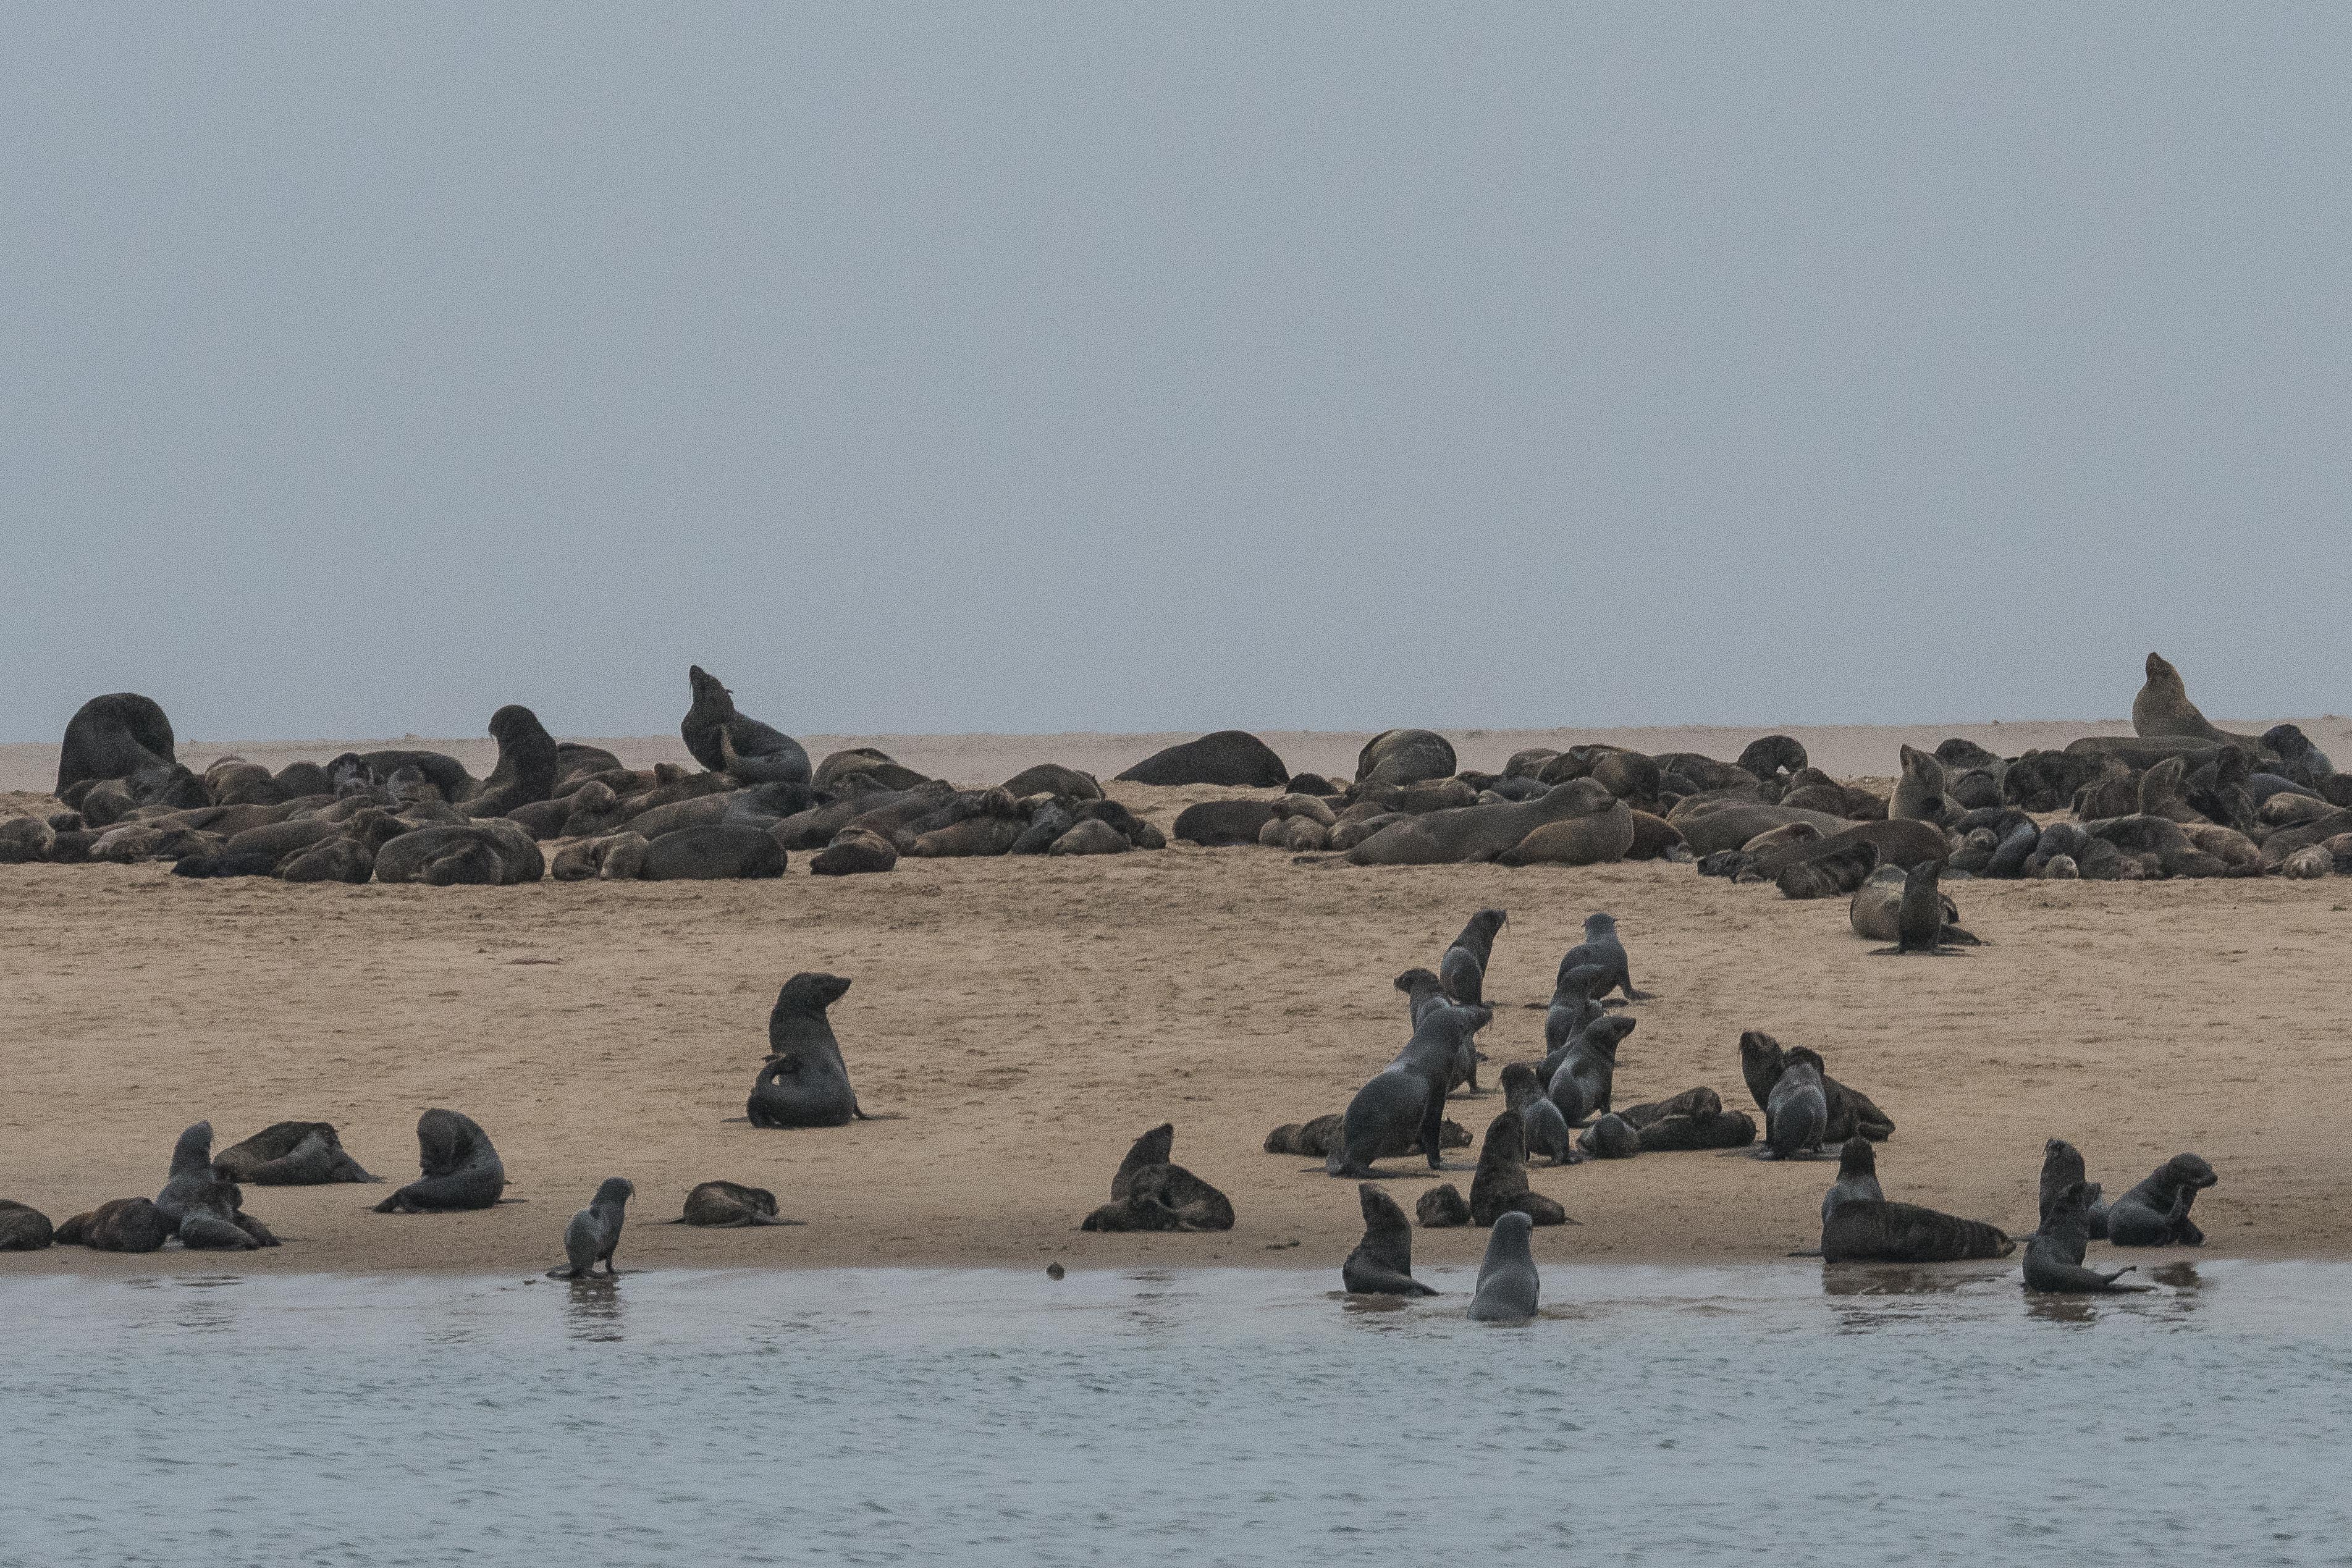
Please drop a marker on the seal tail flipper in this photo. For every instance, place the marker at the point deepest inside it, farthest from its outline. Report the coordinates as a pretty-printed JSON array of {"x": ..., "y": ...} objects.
[
  {"x": 565, "y": 1271},
  {"x": 771, "y": 1219},
  {"x": 1954, "y": 934},
  {"x": 1816, "y": 1252}
]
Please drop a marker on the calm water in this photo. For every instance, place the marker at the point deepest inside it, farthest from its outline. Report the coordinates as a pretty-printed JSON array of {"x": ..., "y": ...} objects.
[{"x": 1650, "y": 1416}]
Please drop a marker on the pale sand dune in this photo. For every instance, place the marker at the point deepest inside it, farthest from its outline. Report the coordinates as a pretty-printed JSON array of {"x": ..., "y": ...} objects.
[{"x": 1030, "y": 1018}]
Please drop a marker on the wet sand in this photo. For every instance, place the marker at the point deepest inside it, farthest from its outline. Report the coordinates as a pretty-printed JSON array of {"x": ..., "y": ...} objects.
[{"x": 1029, "y": 1019}]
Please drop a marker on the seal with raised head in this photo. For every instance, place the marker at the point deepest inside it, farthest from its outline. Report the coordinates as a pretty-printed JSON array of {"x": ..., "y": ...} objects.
[
  {"x": 1381, "y": 1264},
  {"x": 1797, "y": 1111},
  {"x": 804, "y": 1082},
  {"x": 2062, "y": 1164},
  {"x": 2156, "y": 1212},
  {"x": 731, "y": 1205},
  {"x": 1509, "y": 1288},
  {"x": 1582, "y": 1084},
  {"x": 458, "y": 1168},
  {"x": 1602, "y": 946},
  {"x": 1546, "y": 1127},
  {"x": 713, "y": 729},
  {"x": 1408, "y": 1094},
  {"x": 594, "y": 1233},
  {"x": 1501, "y": 1182},
  {"x": 2053, "y": 1254},
  {"x": 1150, "y": 1192},
  {"x": 1463, "y": 969},
  {"x": 1857, "y": 1177},
  {"x": 2162, "y": 709},
  {"x": 1920, "y": 918},
  {"x": 1231, "y": 757}
]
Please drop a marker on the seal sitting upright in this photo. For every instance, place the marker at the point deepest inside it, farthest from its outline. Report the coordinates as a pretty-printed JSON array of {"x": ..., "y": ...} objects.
[
  {"x": 460, "y": 1170},
  {"x": 594, "y": 1233},
  {"x": 1381, "y": 1264},
  {"x": 1408, "y": 1093},
  {"x": 1509, "y": 1287},
  {"x": 804, "y": 1083},
  {"x": 2156, "y": 1212},
  {"x": 2053, "y": 1254}
]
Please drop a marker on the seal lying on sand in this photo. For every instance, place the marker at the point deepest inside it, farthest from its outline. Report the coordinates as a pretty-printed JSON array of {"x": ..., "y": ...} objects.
[
  {"x": 1407, "y": 1098},
  {"x": 804, "y": 1083},
  {"x": 1871, "y": 1230},
  {"x": 2053, "y": 1254},
  {"x": 1509, "y": 1287},
  {"x": 1694, "y": 1118},
  {"x": 594, "y": 1233},
  {"x": 1468, "y": 833},
  {"x": 1919, "y": 917},
  {"x": 1501, "y": 1184},
  {"x": 460, "y": 1170},
  {"x": 2156, "y": 1212},
  {"x": 1319, "y": 1136},
  {"x": 120, "y": 1224},
  {"x": 1877, "y": 908},
  {"x": 726, "y": 1204},
  {"x": 713, "y": 729},
  {"x": 291, "y": 1154},
  {"x": 24, "y": 1228},
  {"x": 1381, "y": 1264},
  {"x": 1231, "y": 757},
  {"x": 1405, "y": 757},
  {"x": 1149, "y": 1193}
]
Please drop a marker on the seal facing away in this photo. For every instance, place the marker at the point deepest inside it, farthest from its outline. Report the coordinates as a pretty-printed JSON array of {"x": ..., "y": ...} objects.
[
  {"x": 1797, "y": 1111},
  {"x": 2053, "y": 1254},
  {"x": 728, "y": 1204},
  {"x": 1540, "y": 1118},
  {"x": 1603, "y": 947},
  {"x": 24, "y": 1228},
  {"x": 1408, "y": 1093},
  {"x": 1150, "y": 1192},
  {"x": 2156, "y": 1212},
  {"x": 804, "y": 1083},
  {"x": 1231, "y": 757},
  {"x": 1381, "y": 1264},
  {"x": 1857, "y": 1177},
  {"x": 1463, "y": 969},
  {"x": 459, "y": 1168},
  {"x": 117, "y": 736},
  {"x": 1919, "y": 919},
  {"x": 2062, "y": 1164},
  {"x": 594, "y": 1233},
  {"x": 1501, "y": 1184},
  {"x": 1761, "y": 1062},
  {"x": 1580, "y": 1086},
  {"x": 1509, "y": 1287},
  {"x": 120, "y": 1224}
]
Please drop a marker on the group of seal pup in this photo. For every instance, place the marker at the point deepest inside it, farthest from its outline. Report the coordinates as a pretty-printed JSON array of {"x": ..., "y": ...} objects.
[{"x": 417, "y": 817}]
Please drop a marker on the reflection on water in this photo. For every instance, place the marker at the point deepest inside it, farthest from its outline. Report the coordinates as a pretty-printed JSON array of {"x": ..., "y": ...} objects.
[{"x": 1210, "y": 1416}]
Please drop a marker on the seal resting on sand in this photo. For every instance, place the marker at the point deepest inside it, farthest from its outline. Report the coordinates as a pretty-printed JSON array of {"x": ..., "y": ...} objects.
[
  {"x": 594, "y": 1233},
  {"x": 291, "y": 1154},
  {"x": 1149, "y": 1193},
  {"x": 1509, "y": 1287},
  {"x": 116, "y": 736},
  {"x": 459, "y": 1168},
  {"x": 119, "y": 1225},
  {"x": 2156, "y": 1212},
  {"x": 24, "y": 1228},
  {"x": 804, "y": 1083},
  {"x": 1405, "y": 757},
  {"x": 1466, "y": 833},
  {"x": 1761, "y": 1062},
  {"x": 1872, "y": 1230},
  {"x": 1231, "y": 757},
  {"x": 1381, "y": 1264},
  {"x": 730, "y": 1204}
]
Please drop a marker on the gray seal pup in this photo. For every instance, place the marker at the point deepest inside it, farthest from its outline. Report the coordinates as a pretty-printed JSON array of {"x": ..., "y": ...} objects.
[
  {"x": 1610, "y": 1137},
  {"x": 594, "y": 1233},
  {"x": 1857, "y": 1177},
  {"x": 24, "y": 1228},
  {"x": 1573, "y": 1008},
  {"x": 712, "y": 729},
  {"x": 1501, "y": 1184},
  {"x": 1509, "y": 1287},
  {"x": 1580, "y": 1086},
  {"x": 1464, "y": 967},
  {"x": 731, "y": 1205},
  {"x": 460, "y": 1169},
  {"x": 1234, "y": 758},
  {"x": 1151, "y": 1193},
  {"x": 1601, "y": 946},
  {"x": 291, "y": 1154},
  {"x": 2053, "y": 1254},
  {"x": 1797, "y": 1111},
  {"x": 1546, "y": 1127},
  {"x": 2062, "y": 1164},
  {"x": 1442, "y": 1207},
  {"x": 804, "y": 1082},
  {"x": 2156, "y": 1212},
  {"x": 1381, "y": 1264},
  {"x": 1919, "y": 917},
  {"x": 1408, "y": 1092}
]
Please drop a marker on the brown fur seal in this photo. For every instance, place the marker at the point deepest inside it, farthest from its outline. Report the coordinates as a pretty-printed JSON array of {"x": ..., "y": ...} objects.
[
  {"x": 1475, "y": 833},
  {"x": 712, "y": 729},
  {"x": 1919, "y": 794},
  {"x": 1316, "y": 1138},
  {"x": 121, "y": 1224},
  {"x": 594, "y": 1233},
  {"x": 1442, "y": 1207},
  {"x": 1877, "y": 908},
  {"x": 1593, "y": 840},
  {"x": 1501, "y": 1182},
  {"x": 716, "y": 852},
  {"x": 2156, "y": 1212},
  {"x": 291, "y": 1154},
  {"x": 731, "y": 1205},
  {"x": 854, "y": 851},
  {"x": 1832, "y": 875},
  {"x": 879, "y": 767},
  {"x": 2162, "y": 709},
  {"x": 615, "y": 858},
  {"x": 114, "y": 737},
  {"x": 24, "y": 1228},
  {"x": 2053, "y": 1254},
  {"x": 1919, "y": 916},
  {"x": 459, "y": 1168},
  {"x": 1730, "y": 824},
  {"x": 805, "y": 1082},
  {"x": 1213, "y": 824},
  {"x": 1405, "y": 757},
  {"x": 1868, "y": 1230},
  {"x": 1381, "y": 1264},
  {"x": 1149, "y": 1193},
  {"x": 1234, "y": 758},
  {"x": 1508, "y": 1290},
  {"x": 1851, "y": 1111}
]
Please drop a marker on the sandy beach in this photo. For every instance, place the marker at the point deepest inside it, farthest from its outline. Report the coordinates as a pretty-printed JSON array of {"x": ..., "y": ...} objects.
[{"x": 1028, "y": 1018}]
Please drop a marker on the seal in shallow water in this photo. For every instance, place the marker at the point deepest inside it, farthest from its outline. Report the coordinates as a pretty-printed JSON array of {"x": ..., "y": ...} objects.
[
  {"x": 805, "y": 1083},
  {"x": 459, "y": 1168},
  {"x": 2156, "y": 1212},
  {"x": 594, "y": 1233},
  {"x": 2053, "y": 1254},
  {"x": 1509, "y": 1287},
  {"x": 1381, "y": 1264}
]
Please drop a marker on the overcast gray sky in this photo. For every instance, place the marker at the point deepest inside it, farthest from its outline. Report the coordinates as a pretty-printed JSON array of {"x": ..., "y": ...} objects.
[{"x": 972, "y": 367}]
